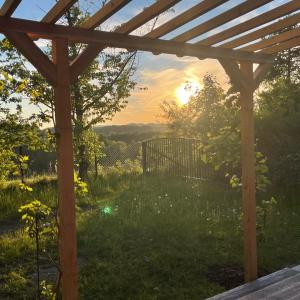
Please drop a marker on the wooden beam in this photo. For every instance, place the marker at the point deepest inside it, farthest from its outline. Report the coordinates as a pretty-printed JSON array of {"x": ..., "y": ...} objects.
[
  {"x": 220, "y": 19},
  {"x": 282, "y": 46},
  {"x": 66, "y": 195},
  {"x": 262, "y": 32},
  {"x": 92, "y": 51},
  {"x": 252, "y": 23},
  {"x": 248, "y": 175},
  {"x": 233, "y": 71},
  {"x": 58, "y": 11},
  {"x": 104, "y": 13},
  {"x": 282, "y": 37},
  {"x": 119, "y": 40},
  {"x": 34, "y": 54},
  {"x": 8, "y": 7},
  {"x": 192, "y": 13},
  {"x": 260, "y": 73}
]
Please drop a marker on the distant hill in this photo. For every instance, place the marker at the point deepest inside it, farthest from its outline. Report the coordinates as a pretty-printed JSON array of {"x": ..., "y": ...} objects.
[{"x": 132, "y": 132}]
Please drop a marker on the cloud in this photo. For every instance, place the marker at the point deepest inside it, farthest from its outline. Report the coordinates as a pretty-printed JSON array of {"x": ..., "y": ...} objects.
[{"x": 162, "y": 81}]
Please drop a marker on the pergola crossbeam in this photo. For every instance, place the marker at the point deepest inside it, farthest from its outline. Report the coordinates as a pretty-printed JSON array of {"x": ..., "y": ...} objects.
[
  {"x": 118, "y": 40},
  {"x": 221, "y": 19},
  {"x": 262, "y": 32},
  {"x": 109, "y": 9},
  {"x": 282, "y": 46},
  {"x": 57, "y": 11},
  {"x": 8, "y": 7},
  {"x": 252, "y": 23},
  {"x": 91, "y": 52},
  {"x": 282, "y": 37},
  {"x": 192, "y": 13}
]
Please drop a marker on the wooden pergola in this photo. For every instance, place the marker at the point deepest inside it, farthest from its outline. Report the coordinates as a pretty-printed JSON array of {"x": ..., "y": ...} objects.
[{"x": 238, "y": 49}]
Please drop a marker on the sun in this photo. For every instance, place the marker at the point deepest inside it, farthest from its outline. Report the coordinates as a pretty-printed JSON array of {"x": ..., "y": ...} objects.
[{"x": 186, "y": 90}]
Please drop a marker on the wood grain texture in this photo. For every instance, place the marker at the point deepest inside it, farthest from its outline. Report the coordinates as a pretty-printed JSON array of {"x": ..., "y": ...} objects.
[{"x": 66, "y": 195}]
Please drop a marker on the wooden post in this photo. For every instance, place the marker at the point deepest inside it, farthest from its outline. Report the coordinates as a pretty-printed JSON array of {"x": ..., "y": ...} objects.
[
  {"x": 248, "y": 173},
  {"x": 66, "y": 207}
]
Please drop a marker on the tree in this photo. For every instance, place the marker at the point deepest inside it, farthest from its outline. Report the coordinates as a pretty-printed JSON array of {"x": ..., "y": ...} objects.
[
  {"x": 287, "y": 63},
  {"x": 212, "y": 116},
  {"x": 278, "y": 126},
  {"x": 100, "y": 92},
  {"x": 16, "y": 135}
]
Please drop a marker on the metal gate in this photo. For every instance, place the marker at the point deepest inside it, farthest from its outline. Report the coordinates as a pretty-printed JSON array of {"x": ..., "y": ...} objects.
[{"x": 174, "y": 157}]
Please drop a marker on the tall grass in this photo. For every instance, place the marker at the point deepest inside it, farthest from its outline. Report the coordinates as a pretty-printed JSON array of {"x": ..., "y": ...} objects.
[{"x": 147, "y": 237}]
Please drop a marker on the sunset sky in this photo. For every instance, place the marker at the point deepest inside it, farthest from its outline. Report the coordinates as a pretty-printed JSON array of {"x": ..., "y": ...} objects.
[{"x": 163, "y": 75}]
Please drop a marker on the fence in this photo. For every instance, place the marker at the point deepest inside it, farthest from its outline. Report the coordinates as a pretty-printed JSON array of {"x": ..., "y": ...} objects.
[{"x": 174, "y": 156}]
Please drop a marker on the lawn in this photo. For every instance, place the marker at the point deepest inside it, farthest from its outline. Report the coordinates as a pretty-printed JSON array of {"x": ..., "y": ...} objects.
[{"x": 150, "y": 238}]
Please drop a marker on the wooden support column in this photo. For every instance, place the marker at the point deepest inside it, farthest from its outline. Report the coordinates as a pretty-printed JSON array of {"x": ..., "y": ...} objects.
[
  {"x": 248, "y": 173},
  {"x": 66, "y": 196}
]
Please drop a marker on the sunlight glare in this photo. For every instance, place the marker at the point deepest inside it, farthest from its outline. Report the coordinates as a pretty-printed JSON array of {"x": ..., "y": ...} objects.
[{"x": 186, "y": 90}]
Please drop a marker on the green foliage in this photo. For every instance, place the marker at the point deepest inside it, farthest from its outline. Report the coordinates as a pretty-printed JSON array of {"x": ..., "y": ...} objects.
[
  {"x": 81, "y": 187},
  {"x": 38, "y": 219},
  {"x": 213, "y": 117},
  {"x": 47, "y": 291},
  {"x": 278, "y": 125},
  {"x": 17, "y": 133}
]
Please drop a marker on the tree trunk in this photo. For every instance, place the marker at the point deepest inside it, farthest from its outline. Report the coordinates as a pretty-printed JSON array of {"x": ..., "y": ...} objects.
[{"x": 83, "y": 162}]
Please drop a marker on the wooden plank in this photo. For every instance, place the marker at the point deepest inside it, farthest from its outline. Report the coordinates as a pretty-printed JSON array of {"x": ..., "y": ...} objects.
[
  {"x": 104, "y": 13},
  {"x": 66, "y": 195},
  {"x": 256, "y": 285},
  {"x": 252, "y": 23},
  {"x": 92, "y": 51},
  {"x": 192, "y": 13},
  {"x": 58, "y": 11},
  {"x": 282, "y": 37},
  {"x": 248, "y": 175},
  {"x": 118, "y": 40},
  {"x": 220, "y": 19},
  {"x": 281, "y": 47},
  {"x": 285, "y": 289},
  {"x": 262, "y": 32},
  {"x": 34, "y": 54},
  {"x": 8, "y": 7},
  {"x": 232, "y": 69}
]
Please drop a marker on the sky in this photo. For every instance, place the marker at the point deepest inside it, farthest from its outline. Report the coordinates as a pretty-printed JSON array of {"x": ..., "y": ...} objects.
[{"x": 164, "y": 76}]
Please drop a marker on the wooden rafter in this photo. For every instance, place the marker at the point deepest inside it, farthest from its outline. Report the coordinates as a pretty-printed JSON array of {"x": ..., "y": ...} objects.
[
  {"x": 34, "y": 54},
  {"x": 262, "y": 32},
  {"x": 282, "y": 46},
  {"x": 192, "y": 13},
  {"x": 104, "y": 13},
  {"x": 91, "y": 52},
  {"x": 252, "y": 23},
  {"x": 8, "y": 7},
  {"x": 58, "y": 10},
  {"x": 282, "y": 37},
  {"x": 221, "y": 19},
  {"x": 118, "y": 40}
]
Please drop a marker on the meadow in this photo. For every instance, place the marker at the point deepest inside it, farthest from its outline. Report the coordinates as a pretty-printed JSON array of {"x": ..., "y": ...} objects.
[{"x": 148, "y": 237}]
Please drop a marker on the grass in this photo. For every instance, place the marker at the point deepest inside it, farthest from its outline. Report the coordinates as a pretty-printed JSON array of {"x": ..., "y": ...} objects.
[{"x": 153, "y": 238}]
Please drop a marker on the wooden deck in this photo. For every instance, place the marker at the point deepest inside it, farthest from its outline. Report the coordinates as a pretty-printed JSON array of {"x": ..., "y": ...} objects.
[{"x": 281, "y": 285}]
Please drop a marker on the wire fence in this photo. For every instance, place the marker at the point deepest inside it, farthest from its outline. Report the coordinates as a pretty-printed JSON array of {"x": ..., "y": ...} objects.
[{"x": 174, "y": 157}]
